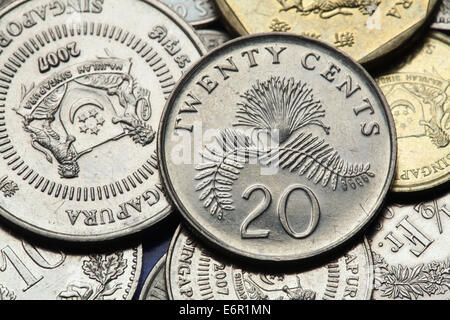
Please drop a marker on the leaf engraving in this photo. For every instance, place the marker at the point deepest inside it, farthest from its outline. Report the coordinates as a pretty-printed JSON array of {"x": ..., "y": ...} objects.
[{"x": 403, "y": 282}]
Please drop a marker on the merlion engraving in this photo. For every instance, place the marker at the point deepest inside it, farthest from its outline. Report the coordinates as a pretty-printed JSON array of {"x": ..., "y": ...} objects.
[{"x": 99, "y": 97}]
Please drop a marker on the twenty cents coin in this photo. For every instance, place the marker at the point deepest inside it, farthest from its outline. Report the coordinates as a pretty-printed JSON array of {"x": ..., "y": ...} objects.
[{"x": 277, "y": 147}]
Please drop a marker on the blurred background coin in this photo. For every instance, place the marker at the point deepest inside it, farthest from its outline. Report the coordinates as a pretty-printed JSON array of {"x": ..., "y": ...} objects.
[
  {"x": 277, "y": 147},
  {"x": 155, "y": 287},
  {"x": 82, "y": 93},
  {"x": 194, "y": 272},
  {"x": 417, "y": 90},
  {"x": 410, "y": 250},
  {"x": 197, "y": 12},
  {"x": 31, "y": 272},
  {"x": 213, "y": 38},
  {"x": 365, "y": 29},
  {"x": 442, "y": 21}
]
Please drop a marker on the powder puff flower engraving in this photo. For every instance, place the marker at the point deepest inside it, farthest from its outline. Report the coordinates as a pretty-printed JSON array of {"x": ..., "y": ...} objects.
[
  {"x": 402, "y": 282},
  {"x": 103, "y": 269},
  {"x": 284, "y": 109}
]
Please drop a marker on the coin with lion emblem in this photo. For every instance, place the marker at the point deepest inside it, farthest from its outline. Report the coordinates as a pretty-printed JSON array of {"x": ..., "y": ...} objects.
[
  {"x": 82, "y": 89},
  {"x": 365, "y": 29}
]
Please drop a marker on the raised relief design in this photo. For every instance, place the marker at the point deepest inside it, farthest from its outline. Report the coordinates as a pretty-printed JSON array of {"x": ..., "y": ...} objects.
[
  {"x": 282, "y": 109},
  {"x": 330, "y": 8},
  {"x": 420, "y": 107},
  {"x": 279, "y": 26},
  {"x": 104, "y": 269},
  {"x": 404, "y": 282},
  {"x": 259, "y": 287},
  {"x": 6, "y": 294},
  {"x": 8, "y": 187},
  {"x": 66, "y": 113}
]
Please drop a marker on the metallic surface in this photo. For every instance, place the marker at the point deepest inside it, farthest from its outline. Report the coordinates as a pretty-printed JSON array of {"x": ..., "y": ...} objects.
[
  {"x": 31, "y": 272},
  {"x": 193, "y": 272},
  {"x": 155, "y": 287},
  {"x": 213, "y": 38},
  {"x": 366, "y": 30},
  {"x": 82, "y": 92},
  {"x": 442, "y": 21},
  {"x": 197, "y": 12},
  {"x": 411, "y": 252},
  {"x": 418, "y": 92},
  {"x": 316, "y": 188}
]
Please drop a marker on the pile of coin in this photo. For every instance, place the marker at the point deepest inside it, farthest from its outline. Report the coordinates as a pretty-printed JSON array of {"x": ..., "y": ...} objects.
[{"x": 288, "y": 149}]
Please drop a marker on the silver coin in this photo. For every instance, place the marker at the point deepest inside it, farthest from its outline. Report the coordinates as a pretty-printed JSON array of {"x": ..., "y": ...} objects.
[
  {"x": 213, "y": 38},
  {"x": 80, "y": 100},
  {"x": 31, "y": 272},
  {"x": 277, "y": 147},
  {"x": 196, "y": 12},
  {"x": 193, "y": 272},
  {"x": 442, "y": 21},
  {"x": 155, "y": 287},
  {"x": 411, "y": 255}
]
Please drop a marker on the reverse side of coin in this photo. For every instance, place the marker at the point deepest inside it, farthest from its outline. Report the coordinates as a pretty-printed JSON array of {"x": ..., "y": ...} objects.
[
  {"x": 195, "y": 273},
  {"x": 196, "y": 12},
  {"x": 155, "y": 287},
  {"x": 277, "y": 147},
  {"x": 418, "y": 95},
  {"x": 83, "y": 87},
  {"x": 442, "y": 21},
  {"x": 213, "y": 38},
  {"x": 30, "y": 272},
  {"x": 365, "y": 29},
  {"x": 411, "y": 252}
]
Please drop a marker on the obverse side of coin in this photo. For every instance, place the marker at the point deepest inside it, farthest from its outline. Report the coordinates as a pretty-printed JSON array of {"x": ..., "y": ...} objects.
[
  {"x": 442, "y": 21},
  {"x": 277, "y": 147},
  {"x": 195, "y": 273},
  {"x": 213, "y": 38},
  {"x": 29, "y": 272},
  {"x": 83, "y": 87},
  {"x": 365, "y": 29},
  {"x": 155, "y": 287},
  {"x": 410, "y": 246},
  {"x": 196, "y": 12},
  {"x": 418, "y": 94}
]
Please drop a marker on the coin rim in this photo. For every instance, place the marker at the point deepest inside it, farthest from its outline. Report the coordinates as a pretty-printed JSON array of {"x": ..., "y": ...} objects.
[
  {"x": 125, "y": 230},
  {"x": 440, "y": 36},
  {"x": 151, "y": 277},
  {"x": 205, "y": 234},
  {"x": 198, "y": 23}
]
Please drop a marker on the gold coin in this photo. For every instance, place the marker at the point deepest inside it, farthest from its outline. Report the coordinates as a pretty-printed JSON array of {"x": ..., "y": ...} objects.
[
  {"x": 365, "y": 29},
  {"x": 417, "y": 91}
]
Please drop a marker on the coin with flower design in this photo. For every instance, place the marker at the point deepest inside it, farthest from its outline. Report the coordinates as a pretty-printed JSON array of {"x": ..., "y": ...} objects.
[
  {"x": 365, "y": 29},
  {"x": 30, "y": 271},
  {"x": 277, "y": 147},
  {"x": 410, "y": 250}
]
